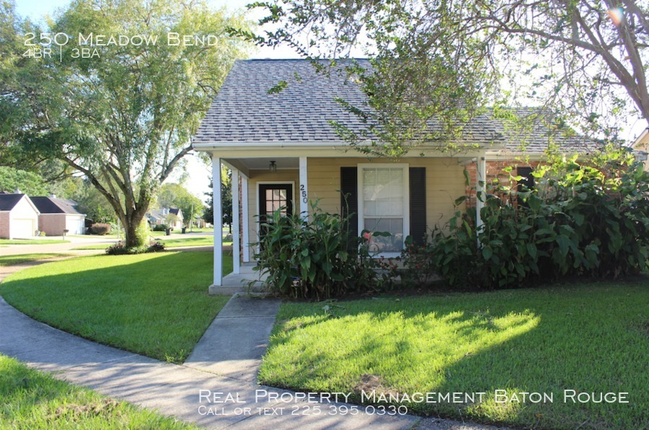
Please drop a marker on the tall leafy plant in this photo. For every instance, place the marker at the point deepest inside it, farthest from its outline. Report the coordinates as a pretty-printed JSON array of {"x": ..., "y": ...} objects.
[
  {"x": 584, "y": 219},
  {"x": 312, "y": 258}
]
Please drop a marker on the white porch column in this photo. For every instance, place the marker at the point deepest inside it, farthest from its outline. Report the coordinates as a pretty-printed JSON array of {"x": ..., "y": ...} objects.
[
  {"x": 218, "y": 221},
  {"x": 480, "y": 187},
  {"x": 236, "y": 236},
  {"x": 304, "y": 188},
  {"x": 245, "y": 216}
]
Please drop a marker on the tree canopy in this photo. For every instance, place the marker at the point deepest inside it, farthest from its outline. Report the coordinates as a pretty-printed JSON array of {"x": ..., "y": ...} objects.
[
  {"x": 583, "y": 59},
  {"x": 121, "y": 99},
  {"x": 12, "y": 180},
  {"x": 177, "y": 196}
]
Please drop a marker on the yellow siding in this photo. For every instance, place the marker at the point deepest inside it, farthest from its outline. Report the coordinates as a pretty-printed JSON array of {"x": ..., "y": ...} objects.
[{"x": 444, "y": 183}]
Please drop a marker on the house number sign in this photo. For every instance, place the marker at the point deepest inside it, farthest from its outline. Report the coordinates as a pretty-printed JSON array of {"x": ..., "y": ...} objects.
[{"x": 303, "y": 194}]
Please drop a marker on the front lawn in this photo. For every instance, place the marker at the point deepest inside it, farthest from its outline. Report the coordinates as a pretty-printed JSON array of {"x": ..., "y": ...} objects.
[
  {"x": 191, "y": 241},
  {"x": 34, "y": 400},
  {"x": 10, "y": 260},
  {"x": 590, "y": 338},
  {"x": 168, "y": 243},
  {"x": 32, "y": 241},
  {"x": 152, "y": 304}
]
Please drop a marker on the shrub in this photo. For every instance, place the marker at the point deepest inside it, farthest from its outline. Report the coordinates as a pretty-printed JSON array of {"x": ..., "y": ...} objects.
[
  {"x": 449, "y": 253},
  {"x": 100, "y": 228},
  {"x": 313, "y": 259},
  {"x": 156, "y": 247},
  {"x": 159, "y": 227},
  {"x": 120, "y": 248},
  {"x": 587, "y": 219}
]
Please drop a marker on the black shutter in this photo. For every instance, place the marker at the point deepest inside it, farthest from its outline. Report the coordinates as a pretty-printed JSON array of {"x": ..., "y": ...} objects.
[
  {"x": 349, "y": 199},
  {"x": 418, "y": 204}
]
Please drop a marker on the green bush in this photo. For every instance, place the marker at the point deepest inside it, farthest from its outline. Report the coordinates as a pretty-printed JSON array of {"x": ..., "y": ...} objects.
[
  {"x": 100, "y": 228},
  {"x": 120, "y": 248},
  {"x": 584, "y": 219},
  {"x": 449, "y": 253},
  {"x": 314, "y": 259},
  {"x": 159, "y": 227}
]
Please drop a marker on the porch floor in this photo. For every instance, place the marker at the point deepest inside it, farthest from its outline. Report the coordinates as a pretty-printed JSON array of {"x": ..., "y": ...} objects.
[{"x": 239, "y": 282}]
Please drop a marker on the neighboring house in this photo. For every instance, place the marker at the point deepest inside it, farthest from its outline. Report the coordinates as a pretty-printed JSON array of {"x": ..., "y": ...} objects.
[
  {"x": 284, "y": 152},
  {"x": 18, "y": 216},
  {"x": 641, "y": 146},
  {"x": 57, "y": 215},
  {"x": 162, "y": 216}
]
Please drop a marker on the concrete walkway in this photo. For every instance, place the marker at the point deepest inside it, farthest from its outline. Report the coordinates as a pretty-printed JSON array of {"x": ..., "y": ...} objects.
[{"x": 215, "y": 388}]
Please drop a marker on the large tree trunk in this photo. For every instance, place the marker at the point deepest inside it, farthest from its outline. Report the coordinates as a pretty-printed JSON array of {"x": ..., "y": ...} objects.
[{"x": 132, "y": 232}]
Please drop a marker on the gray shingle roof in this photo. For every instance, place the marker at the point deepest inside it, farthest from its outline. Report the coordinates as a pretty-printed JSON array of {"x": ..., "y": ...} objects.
[
  {"x": 8, "y": 201},
  {"x": 244, "y": 112},
  {"x": 52, "y": 205}
]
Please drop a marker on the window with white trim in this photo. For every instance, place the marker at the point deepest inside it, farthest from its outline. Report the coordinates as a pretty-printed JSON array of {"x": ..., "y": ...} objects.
[{"x": 383, "y": 205}]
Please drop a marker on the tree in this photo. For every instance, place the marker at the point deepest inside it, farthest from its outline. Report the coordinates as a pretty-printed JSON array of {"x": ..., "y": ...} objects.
[
  {"x": 123, "y": 111},
  {"x": 28, "y": 183},
  {"x": 226, "y": 199},
  {"x": 92, "y": 203},
  {"x": 177, "y": 196},
  {"x": 446, "y": 61}
]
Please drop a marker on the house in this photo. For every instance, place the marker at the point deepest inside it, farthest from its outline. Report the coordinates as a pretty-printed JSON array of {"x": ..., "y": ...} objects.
[
  {"x": 171, "y": 217},
  {"x": 284, "y": 152},
  {"x": 18, "y": 216},
  {"x": 58, "y": 215},
  {"x": 641, "y": 147}
]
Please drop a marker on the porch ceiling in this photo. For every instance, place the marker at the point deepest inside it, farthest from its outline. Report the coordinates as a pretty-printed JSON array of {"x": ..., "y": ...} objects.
[{"x": 262, "y": 163}]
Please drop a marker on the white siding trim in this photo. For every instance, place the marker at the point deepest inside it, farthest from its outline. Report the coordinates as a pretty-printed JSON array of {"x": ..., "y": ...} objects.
[
  {"x": 218, "y": 221},
  {"x": 236, "y": 263}
]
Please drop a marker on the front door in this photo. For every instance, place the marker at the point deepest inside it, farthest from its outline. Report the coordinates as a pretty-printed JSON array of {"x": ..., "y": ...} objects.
[{"x": 273, "y": 197}]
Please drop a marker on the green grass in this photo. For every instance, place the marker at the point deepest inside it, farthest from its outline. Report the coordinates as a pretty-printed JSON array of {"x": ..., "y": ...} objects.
[
  {"x": 191, "y": 241},
  {"x": 169, "y": 243},
  {"x": 152, "y": 304},
  {"x": 92, "y": 247},
  {"x": 96, "y": 236},
  {"x": 34, "y": 400},
  {"x": 10, "y": 260},
  {"x": 32, "y": 241},
  {"x": 589, "y": 338}
]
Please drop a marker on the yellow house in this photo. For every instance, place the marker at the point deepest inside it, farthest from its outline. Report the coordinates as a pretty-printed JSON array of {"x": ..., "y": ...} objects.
[
  {"x": 642, "y": 144},
  {"x": 284, "y": 152}
]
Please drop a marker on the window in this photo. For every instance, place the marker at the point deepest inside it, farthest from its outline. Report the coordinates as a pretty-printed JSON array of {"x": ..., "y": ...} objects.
[{"x": 383, "y": 204}]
